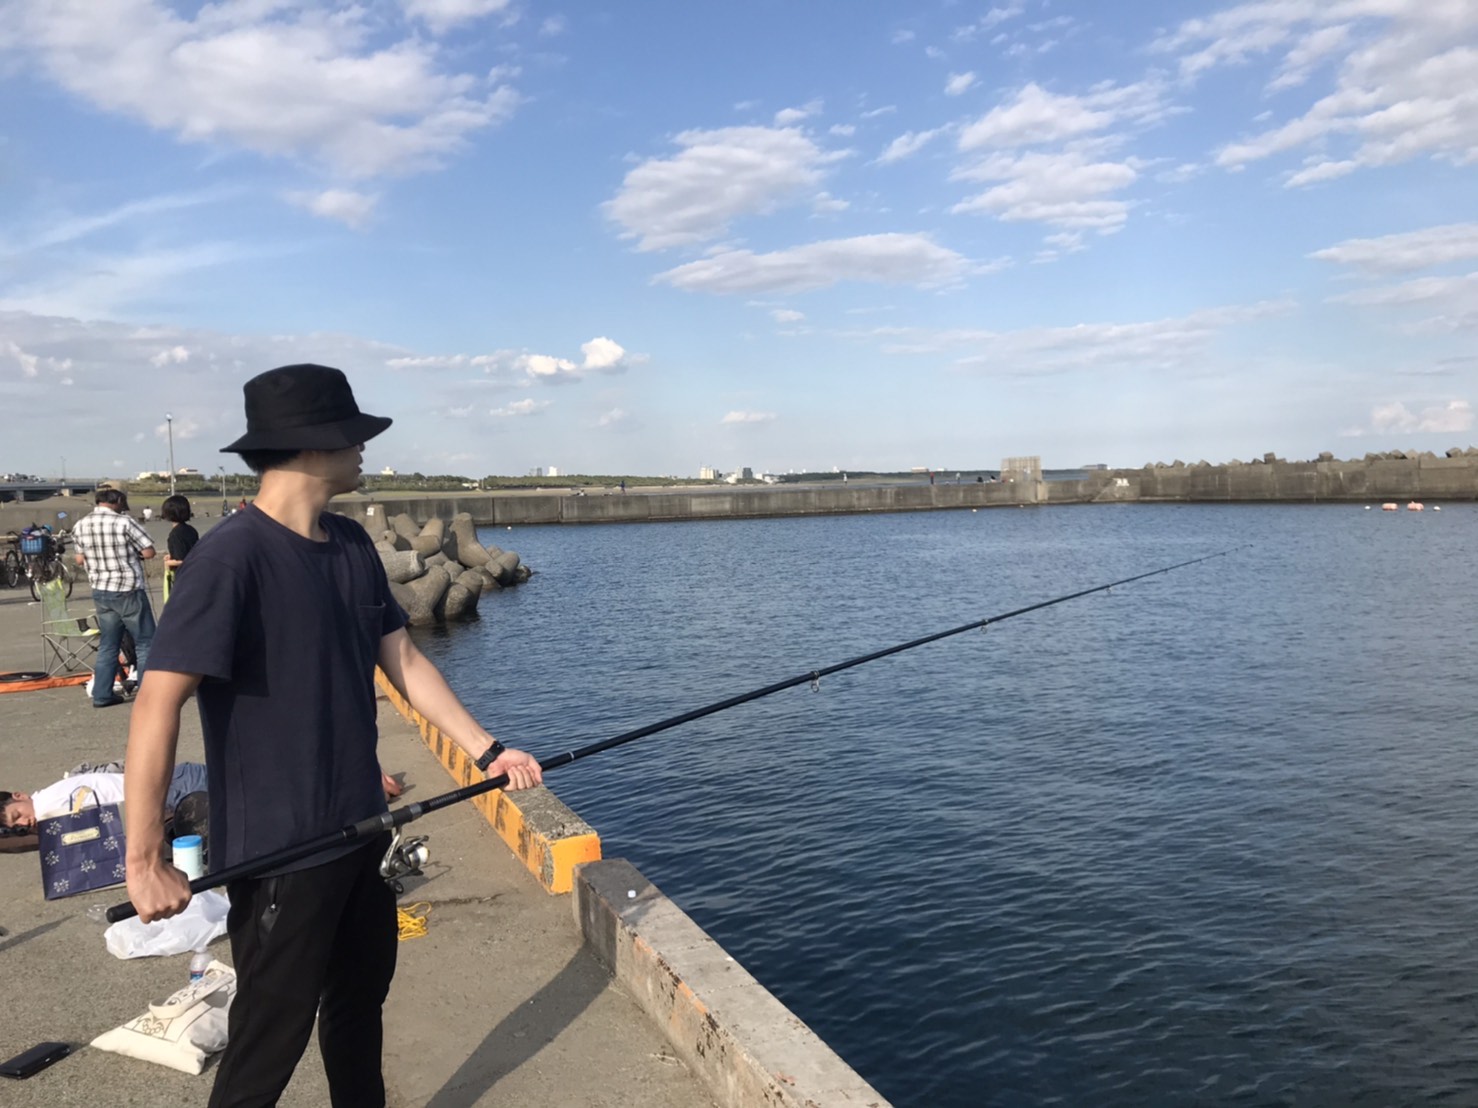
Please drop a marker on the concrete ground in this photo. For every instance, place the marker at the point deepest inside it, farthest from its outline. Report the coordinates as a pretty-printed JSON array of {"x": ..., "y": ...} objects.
[{"x": 500, "y": 1003}]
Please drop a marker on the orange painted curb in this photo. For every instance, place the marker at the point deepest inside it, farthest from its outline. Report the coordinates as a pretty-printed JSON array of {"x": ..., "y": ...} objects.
[{"x": 550, "y": 857}]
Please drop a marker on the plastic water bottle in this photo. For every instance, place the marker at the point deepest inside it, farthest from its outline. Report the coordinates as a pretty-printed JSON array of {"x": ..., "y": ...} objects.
[{"x": 199, "y": 963}]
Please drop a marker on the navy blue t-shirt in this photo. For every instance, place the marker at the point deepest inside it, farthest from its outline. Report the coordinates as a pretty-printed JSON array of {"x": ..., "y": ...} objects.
[{"x": 285, "y": 632}]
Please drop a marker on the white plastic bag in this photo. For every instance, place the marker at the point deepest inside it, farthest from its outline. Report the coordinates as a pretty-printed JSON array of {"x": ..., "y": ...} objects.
[{"x": 203, "y": 920}]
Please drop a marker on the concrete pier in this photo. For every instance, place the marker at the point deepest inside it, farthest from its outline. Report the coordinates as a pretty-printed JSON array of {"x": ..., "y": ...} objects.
[{"x": 516, "y": 995}]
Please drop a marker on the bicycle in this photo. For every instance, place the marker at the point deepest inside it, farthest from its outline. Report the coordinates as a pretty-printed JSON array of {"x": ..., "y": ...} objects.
[
  {"x": 10, "y": 563},
  {"x": 42, "y": 561}
]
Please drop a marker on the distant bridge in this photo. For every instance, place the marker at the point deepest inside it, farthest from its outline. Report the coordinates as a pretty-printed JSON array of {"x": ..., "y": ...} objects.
[{"x": 13, "y": 491}]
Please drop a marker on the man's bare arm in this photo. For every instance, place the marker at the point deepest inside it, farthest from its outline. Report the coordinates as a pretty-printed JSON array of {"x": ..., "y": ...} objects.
[
  {"x": 157, "y": 889},
  {"x": 419, "y": 681}
]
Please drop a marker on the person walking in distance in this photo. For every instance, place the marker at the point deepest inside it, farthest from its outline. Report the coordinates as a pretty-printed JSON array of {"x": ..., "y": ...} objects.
[
  {"x": 113, "y": 547},
  {"x": 275, "y": 626}
]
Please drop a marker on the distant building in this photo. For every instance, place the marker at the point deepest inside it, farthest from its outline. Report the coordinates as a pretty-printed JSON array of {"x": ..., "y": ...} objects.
[
  {"x": 1094, "y": 466},
  {"x": 708, "y": 473},
  {"x": 387, "y": 472},
  {"x": 552, "y": 471},
  {"x": 537, "y": 471},
  {"x": 746, "y": 474}
]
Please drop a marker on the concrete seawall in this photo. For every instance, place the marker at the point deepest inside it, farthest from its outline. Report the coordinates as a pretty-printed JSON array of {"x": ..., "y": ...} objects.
[{"x": 1426, "y": 478}]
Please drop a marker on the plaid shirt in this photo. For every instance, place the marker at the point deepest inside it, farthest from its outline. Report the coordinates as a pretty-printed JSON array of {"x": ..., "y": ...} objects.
[{"x": 111, "y": 543}]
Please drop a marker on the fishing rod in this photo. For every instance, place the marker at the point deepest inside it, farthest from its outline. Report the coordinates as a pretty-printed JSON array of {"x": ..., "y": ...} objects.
[{"x": 399, "y": 817}]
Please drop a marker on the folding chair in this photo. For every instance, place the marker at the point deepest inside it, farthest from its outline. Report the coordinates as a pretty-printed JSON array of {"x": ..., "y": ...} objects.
[{"x": 69, "y": 643}]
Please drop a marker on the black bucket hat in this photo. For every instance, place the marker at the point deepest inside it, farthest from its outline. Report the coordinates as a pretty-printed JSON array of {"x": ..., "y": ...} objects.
[{"x": 303, "y": 407}]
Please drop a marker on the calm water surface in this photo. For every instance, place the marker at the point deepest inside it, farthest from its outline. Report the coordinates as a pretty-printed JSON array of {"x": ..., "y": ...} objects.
[{"x": 1204, "y": 839}]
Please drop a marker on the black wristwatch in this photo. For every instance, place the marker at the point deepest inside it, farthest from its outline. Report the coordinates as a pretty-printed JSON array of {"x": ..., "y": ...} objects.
[{"x": 490, "y": 755}]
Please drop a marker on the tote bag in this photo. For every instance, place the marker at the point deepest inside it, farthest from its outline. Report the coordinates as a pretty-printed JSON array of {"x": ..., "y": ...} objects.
[{"x": 82, "y": 850}]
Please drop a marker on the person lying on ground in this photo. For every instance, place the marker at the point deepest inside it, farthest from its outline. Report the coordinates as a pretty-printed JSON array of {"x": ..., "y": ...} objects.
[{"x": 22, "y": 811}]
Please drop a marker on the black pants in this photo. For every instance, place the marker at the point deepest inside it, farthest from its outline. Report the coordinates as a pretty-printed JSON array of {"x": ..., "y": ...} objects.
[{"x": 319, "y": 940}]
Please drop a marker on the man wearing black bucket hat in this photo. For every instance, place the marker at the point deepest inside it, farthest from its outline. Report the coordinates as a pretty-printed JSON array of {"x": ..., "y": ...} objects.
[{"x": 276, "y": 623}]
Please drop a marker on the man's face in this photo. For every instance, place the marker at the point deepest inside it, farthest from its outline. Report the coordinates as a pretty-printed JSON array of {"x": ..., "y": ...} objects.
[
  {"x": 18, "y": 811},
  {"x": 340, "y": 468}
]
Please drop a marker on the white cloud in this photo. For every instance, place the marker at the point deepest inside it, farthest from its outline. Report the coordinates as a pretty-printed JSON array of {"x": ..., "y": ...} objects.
[
  {"x": 1405, "y": 252},
  {"x": 1454, "y": 417},
  {"x": 547, "y": 367},
  {"x": 183, "y": 427},
  {"x": 443, "y": 15},
  {"x": 788, "y": 117},
  {"x": 1037, "y": 117},
  {"x": 603, "y": 355},
  {"x": 787, "y": 315},
  {"x": 174, "y": 355},
  {"x": 525, "y": 407},
  {"x": 903, "y": 259},
  {"x": 887, "y": 109},
  {"x": 611, "y": 418},
  {"x": 717, "y": 177},
  {"x": 67, "y": 229},
  {"x": 1405, "y": 81},
  {"x": 748, "y": 417},
  {"x": 906, "y": 146},
  {"x": 108, "y": 286},
  {"x": 1065, "y": 190},
  {"x": 1448, "y": 304},
  {"x": 843, "y": 130},
  {"x": 28, "y": 362},
  {"x": 353, "y": 209},
  {"x": 521, "y": 367},
  {"x": 264, "y": 76},
  {"x": 1176, "y": 344},
  {"x": 958, "y": 83},
  {"x": 1310, "y": 52},
  {"x": 554, "y": 25},
  {"x": 824, "y": 203},
  {"x": 901, "y": 37},
  {"x": 989, "y": 20}
]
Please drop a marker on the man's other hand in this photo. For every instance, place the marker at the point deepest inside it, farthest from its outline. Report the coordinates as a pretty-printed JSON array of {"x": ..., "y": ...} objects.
[{"x": 521, "y": 767}]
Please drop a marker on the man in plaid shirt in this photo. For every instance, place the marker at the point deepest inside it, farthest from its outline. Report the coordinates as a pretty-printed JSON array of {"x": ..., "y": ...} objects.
[{"x": 112, "y": 546}]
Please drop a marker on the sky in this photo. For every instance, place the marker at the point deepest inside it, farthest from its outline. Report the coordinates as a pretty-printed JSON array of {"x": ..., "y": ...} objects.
[{"x": 655, "y": 235}]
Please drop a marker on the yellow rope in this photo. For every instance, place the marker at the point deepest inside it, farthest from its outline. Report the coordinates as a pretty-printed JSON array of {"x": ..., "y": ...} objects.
[{"x": 413, "y": 920}]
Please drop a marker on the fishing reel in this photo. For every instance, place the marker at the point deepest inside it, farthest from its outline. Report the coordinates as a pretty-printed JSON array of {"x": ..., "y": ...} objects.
[{"x": 404, "y": 858}]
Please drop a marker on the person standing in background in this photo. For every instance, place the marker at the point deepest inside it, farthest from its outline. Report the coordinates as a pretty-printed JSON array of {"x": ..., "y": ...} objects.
[
  {"x": 113, "y": 547},
  {"x": 182, "y": 537}
]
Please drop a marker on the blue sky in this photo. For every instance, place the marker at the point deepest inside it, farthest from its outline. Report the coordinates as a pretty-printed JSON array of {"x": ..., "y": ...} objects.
[{"x": 651, "y": 236}]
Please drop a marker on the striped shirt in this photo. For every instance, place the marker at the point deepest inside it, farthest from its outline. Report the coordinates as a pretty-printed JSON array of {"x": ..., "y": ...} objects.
[{"x": 111, "y": 543}]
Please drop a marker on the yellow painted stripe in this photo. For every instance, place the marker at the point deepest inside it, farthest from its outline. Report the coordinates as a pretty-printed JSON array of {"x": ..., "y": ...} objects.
[{"x": 552, "y": 860}]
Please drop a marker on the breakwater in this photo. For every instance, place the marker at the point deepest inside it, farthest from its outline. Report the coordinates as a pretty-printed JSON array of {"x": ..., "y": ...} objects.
[{"x": 1375, "y": 478}]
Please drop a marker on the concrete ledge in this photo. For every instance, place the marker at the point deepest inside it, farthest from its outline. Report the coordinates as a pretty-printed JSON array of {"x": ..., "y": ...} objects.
[
  {"x": 747, "y": 1047},
  {"x": 549, "y": 838}
]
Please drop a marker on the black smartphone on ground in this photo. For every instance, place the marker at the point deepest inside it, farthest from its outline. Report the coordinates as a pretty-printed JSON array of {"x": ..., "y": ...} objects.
[{"x": 35, "y": 1060}]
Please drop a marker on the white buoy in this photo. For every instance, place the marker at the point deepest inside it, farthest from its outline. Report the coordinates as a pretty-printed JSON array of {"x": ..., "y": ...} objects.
[{"x": 1367, "y": 507}]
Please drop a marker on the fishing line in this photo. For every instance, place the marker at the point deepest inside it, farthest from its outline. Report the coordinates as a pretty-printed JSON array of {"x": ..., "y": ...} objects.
[{"x": 416, "y": 809}]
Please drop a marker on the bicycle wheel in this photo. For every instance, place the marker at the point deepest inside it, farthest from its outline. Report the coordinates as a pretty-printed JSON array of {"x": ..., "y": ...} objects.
[
  {"x": 50, "y": 569},
  {"x": 67, "y": 575},
  {"x": 10, "y": 570}
]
